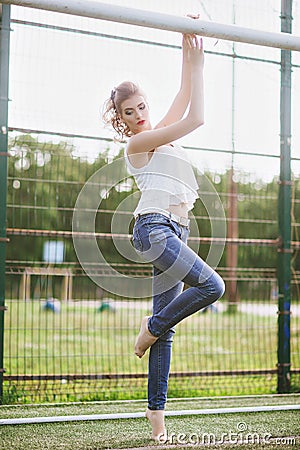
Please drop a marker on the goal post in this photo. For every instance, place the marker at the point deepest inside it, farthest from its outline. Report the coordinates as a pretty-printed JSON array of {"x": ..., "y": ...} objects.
[
  {"x": 4, "y": 75},
  {"x": 284, "y": 211},
  {"x": 150, "y": 19}
]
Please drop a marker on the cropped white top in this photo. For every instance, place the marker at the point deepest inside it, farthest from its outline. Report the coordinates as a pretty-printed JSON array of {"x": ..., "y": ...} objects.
[{"x": 167, "y": 179}]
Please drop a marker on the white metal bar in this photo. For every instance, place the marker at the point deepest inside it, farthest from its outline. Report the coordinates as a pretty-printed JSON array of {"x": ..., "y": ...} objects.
[
  {"x": 136, "y": 415},
  {"x": 115, "y": 13}
]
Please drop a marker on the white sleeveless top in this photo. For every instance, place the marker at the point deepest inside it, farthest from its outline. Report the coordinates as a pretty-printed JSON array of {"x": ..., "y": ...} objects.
[{"x": 167, "y": 179}]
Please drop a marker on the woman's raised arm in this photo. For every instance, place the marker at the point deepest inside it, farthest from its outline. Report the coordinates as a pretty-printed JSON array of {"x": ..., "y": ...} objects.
[
  {"x": 150, "y": 139},
  {"x": 182, "y": 99}
]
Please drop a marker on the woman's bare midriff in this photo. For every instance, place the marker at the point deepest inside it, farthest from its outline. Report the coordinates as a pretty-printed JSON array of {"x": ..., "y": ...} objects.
[{"x": 180, "y": 210}]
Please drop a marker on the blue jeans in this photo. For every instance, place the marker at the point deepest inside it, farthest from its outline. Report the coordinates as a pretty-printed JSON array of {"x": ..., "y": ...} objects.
[{"x": 162, "y": 242}]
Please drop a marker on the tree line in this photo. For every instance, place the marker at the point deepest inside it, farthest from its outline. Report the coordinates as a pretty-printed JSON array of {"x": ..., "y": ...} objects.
[{"x": 45, "y": 179}]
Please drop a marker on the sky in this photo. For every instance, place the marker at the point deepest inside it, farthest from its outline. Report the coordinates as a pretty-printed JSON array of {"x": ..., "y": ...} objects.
[{"x": 59, "y": 80}]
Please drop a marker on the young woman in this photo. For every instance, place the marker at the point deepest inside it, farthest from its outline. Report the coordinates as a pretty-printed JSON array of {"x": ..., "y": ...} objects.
[{"x": 161, "y": 229}]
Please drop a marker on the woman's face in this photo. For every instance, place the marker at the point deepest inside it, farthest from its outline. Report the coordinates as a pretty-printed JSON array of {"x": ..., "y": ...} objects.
[{"x": 135, "y": 113}]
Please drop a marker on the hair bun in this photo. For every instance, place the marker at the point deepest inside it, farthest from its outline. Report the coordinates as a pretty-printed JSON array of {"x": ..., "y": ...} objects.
[{"x": 112, "y": 95}]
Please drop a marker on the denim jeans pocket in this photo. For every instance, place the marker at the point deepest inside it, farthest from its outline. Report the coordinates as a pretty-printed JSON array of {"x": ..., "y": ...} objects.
[
  {"x": 157, "y": 235},
  {"x": 136, "y": 240}
]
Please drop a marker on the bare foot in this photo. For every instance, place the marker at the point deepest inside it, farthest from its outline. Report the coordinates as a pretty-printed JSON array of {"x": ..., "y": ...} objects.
[
  {"x": 145, "y": 339},
  {"x": 157, "y": 421}
]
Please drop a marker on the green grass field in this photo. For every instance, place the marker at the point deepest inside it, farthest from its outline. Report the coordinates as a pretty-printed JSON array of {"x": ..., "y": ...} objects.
[
  {"x": 43, "y": 342},
  {"x": 264, "y": 430},
  {"x": 81, "y": 340}
]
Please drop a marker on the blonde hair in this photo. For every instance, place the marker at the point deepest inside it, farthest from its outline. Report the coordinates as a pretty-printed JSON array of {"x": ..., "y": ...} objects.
[{"x": 112, "y": 111}]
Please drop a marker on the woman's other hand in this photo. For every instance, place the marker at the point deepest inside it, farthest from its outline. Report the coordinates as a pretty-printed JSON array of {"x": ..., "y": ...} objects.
[
  {"x": 192, "y": 46},
  {"x": 193, "y": 16},
  {"x": 185, "y": 46},
  {"x": 193, "y": 50}
]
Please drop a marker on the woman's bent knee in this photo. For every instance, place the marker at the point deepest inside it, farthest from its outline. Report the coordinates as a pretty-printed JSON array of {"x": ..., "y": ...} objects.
[
  {"x": 215, "y": 286},
  {"x": 220, "y": 287}
]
